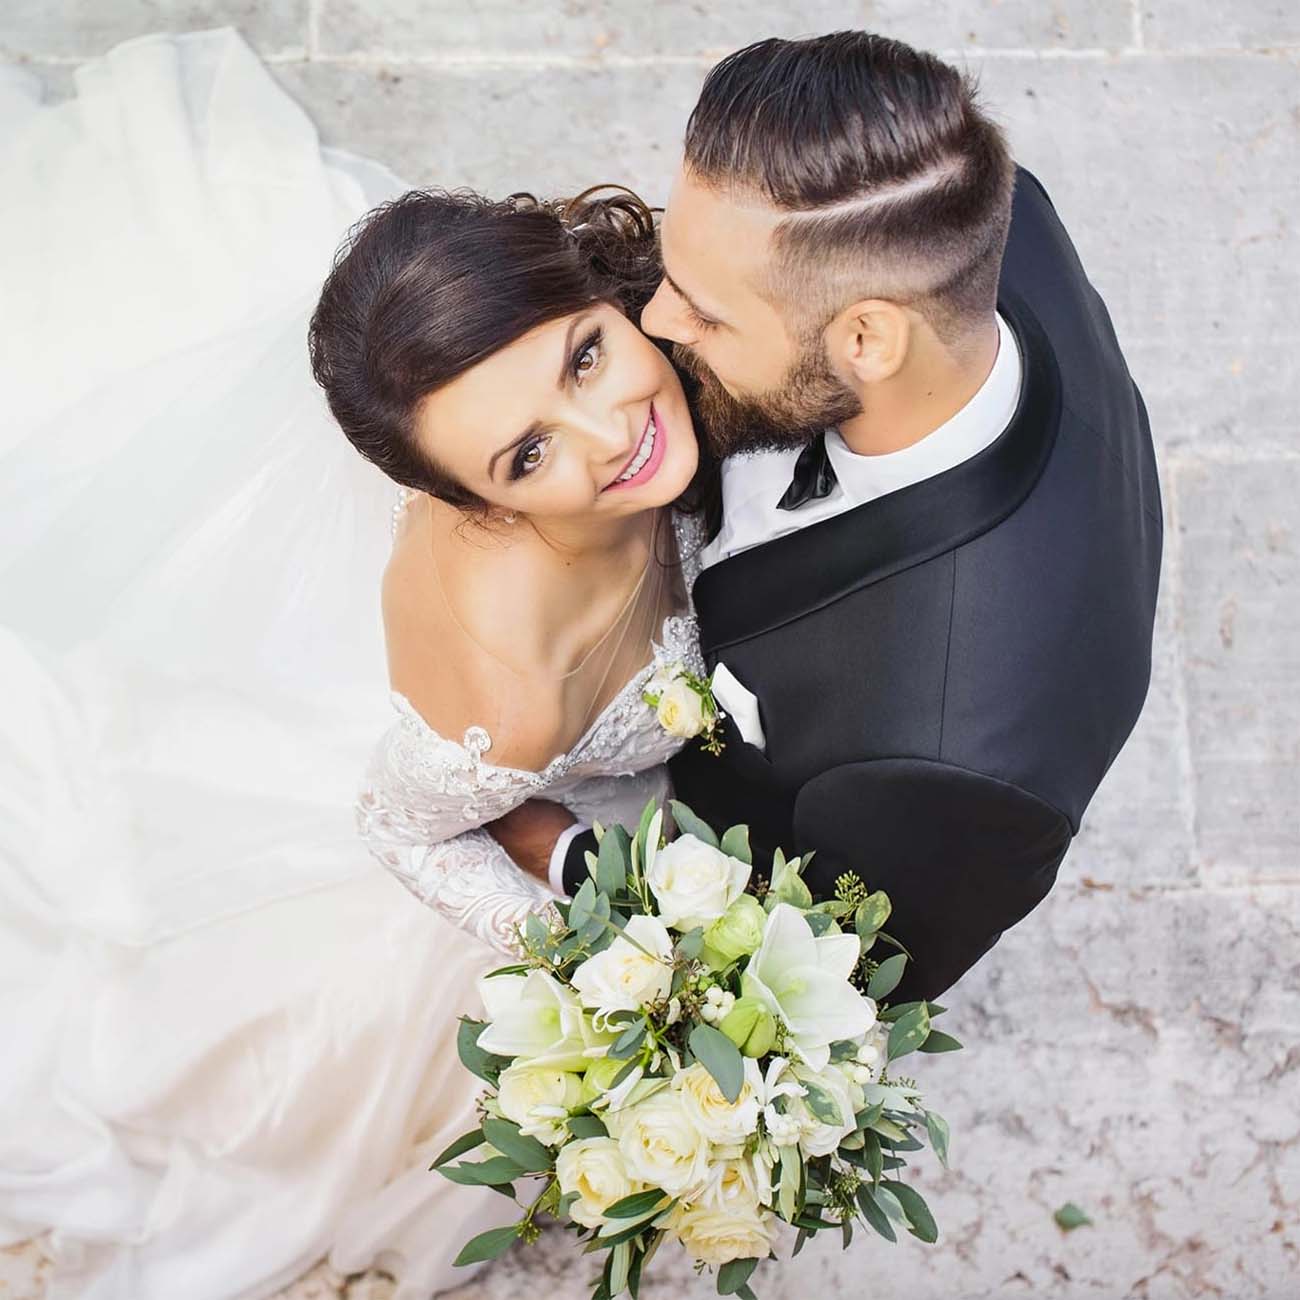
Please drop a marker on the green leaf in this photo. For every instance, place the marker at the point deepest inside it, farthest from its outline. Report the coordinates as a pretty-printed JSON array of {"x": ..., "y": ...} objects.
[
  {"x": 892, "y": 942},
  {"x": 1069, "y": 1217},
  {"x": 897, "y": 1011},
  {"x": 613, "y": 861},
  {"x": 466, "y": 1142},
  {"x": 691, "y": 944},
  {"x": 822, "y": 1104},
  {"x": 720, "y": 1056},
  {"x": 620, "y": 1261},
  {"x": 583, "y": 903},
  {"x": 791, "y": 1174},
  {"x": 804, "y": 1235},
  {"x": 627, "y": 1043},
  {"x": 735, "y": 844},
  {"x": 871, "y": 1155},
  {"x": 885, "y": 979},
  {"x": 923, "y": 1226},
  {"x": 871, "y": 914},
  {"x": 494, "y": 1170},
  {"x": 648, "y": 814},
  {"x": 873, "y": 1214},
  {"x": 937, "y": 1127},
  {"x": 689, "y": 824},
  {"x": 587, "y": 1126},
  {"x": 867, "y": 1118},
  {"x": 634, "y": 1206},
  {"x": 535, "y": 929},
  {"x": 519, "y": 967},
  {"x": 472, "y": 1056},
  {"x": 732, "y": 1276},
  {"x": 525, "y": 1151},
  {"x": 908, "y": 1033},
  {"x": 819, "y": 923},
  {"x": 487, "y": 1245},
  {"x": 938, "y": 1041}
]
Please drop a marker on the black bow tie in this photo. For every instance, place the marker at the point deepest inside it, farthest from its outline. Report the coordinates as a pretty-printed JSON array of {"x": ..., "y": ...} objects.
[{"x": 813, "y": 478}]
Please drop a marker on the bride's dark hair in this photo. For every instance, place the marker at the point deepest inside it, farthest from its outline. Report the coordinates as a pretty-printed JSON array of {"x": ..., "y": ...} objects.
[{"x": 430, "y": 284}]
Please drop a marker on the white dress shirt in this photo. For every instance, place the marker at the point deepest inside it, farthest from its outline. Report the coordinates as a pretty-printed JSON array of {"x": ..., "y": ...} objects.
[{"x": 753, "y": 484}]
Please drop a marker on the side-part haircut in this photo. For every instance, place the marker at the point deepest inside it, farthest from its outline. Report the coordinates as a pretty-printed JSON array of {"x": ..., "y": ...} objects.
[{"x": 891, "y": 181}]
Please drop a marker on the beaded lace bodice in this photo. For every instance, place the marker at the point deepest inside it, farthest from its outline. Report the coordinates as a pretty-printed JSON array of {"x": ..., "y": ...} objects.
[{"x": 426, "y": 796}]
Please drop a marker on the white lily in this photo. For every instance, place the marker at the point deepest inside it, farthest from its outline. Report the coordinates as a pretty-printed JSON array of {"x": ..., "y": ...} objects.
[
  {"x": 804, "y": 979},
  {"x": 534, "y": 1018}
]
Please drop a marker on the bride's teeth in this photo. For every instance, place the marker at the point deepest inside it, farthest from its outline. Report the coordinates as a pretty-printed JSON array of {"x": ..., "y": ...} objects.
[{"x": 647, "y": 447}]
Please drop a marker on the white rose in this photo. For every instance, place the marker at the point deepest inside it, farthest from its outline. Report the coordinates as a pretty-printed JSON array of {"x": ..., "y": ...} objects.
[
  {"x": 681, "y": 710},
  {"x": 594, "y": 1168},
  {"x": 717, "y": 1118},
  {"x": 661, "y": 1145},
  {"x": 535, "y": 1018},
  {"x": 818, "y": 1137},
  {"x": 538, "y": 1099},
  {"x": 694, "y": 883},
  {"x": 623, "y": 977},
  {"x": 716, "y": 1237}
]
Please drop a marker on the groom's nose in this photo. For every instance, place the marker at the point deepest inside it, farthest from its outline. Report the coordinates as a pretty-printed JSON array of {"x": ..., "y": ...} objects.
[{"x": 662, "y": 317}]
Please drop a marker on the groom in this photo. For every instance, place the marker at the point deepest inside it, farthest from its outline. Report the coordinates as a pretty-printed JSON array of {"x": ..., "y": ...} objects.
[{"x": 929, "y": 602}]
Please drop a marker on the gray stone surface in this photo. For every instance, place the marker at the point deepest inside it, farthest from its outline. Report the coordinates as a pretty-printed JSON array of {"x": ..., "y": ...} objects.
[
  {"x": 1013, "y": 24},
  {"x": 1132, "y": 1045},
  {"x": 1241, "y": 23},
  {"x": 82, "y": 28},
  {"x": 580, "y": 28}
]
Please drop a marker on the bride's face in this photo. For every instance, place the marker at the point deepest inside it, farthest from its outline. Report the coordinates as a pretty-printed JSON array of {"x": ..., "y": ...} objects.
[{"x": 582, "y": 416}]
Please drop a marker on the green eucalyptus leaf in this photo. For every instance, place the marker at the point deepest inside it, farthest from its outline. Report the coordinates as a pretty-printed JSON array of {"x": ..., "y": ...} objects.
[
  {"x": 583, "y": 902},
  {"x": 886, "y": 976},
  {"x": 908, "y": 1033},
  {"x": 614, "y": 861},
  {"x": 629, "y": 1041},
  {"x": 921, "y": 1221},
  {"x": 466, "y": 1142},
  {"x": 938, "y": 1041},
  {"x": 871, "y": 914},
  {"x": 691, "y": 944},
  {"x": 525, "y": 1151},
  {"x": 937, "y": 1127},
  {"x": 495, "y": 1170},
  {"x": 873, "y": 1214},
  {"x": 487, "y": 1245},
  {"x": 634, "y": 1206},
  {"x": 478, "y": 1062},
  {"x": 720, "y": 1056},
  {"x": 735, "y": 844},
  {"x": 689, "y": 824},
  {"x": 587, "y": 1126}
]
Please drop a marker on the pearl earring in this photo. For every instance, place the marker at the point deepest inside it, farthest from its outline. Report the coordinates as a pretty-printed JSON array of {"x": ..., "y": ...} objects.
[{"x": 509, "y": 517}]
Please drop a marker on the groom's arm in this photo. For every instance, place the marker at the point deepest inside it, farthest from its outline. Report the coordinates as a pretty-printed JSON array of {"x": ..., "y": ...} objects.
[
  {"x": 962, "y": 856},
  {"x": 546, "y": 841}
]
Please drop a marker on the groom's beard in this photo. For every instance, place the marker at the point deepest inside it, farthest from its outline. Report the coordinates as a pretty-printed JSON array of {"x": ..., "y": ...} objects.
[{"x": 810, "y": 399}]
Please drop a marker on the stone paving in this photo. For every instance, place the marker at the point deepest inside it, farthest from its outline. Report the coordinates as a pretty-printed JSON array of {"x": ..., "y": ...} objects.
[{"x": 1132, "y": 1044}]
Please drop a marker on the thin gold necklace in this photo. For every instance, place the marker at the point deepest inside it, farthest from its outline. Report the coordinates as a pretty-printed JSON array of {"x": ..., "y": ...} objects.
[{"x": 510, "y": 668}]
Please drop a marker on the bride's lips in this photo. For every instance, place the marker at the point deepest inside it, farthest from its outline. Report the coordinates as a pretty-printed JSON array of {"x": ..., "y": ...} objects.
[{"x": 653, "y": 461}]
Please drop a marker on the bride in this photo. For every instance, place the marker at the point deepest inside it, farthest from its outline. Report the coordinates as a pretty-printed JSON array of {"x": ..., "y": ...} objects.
[{"x": 230, "y": 1035}]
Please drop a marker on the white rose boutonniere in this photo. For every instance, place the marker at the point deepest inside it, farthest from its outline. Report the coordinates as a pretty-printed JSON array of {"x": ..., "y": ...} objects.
[{"x": 685, "y": 706}]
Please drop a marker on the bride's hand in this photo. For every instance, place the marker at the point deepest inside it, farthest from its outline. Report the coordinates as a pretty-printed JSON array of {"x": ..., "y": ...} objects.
[{"x": 528, "y": 834}]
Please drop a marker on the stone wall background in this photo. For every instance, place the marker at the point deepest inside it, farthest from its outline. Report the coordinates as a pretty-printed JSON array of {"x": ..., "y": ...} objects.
[{"x": 1132, "y": 1045}]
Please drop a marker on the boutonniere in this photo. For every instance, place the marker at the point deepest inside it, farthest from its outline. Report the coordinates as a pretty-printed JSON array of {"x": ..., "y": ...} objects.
[{"x": 685, "y": 707}]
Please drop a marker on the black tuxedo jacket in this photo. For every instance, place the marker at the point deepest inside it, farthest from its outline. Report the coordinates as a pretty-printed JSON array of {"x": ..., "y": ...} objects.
[{"x": 944, "y": 674}]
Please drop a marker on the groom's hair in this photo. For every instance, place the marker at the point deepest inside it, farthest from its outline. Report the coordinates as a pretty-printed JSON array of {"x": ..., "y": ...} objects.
[{"x": 891, "y": 182}]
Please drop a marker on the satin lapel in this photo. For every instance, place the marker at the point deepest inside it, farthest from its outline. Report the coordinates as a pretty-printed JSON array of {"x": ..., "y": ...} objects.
[{"x": 782, "y": 580}]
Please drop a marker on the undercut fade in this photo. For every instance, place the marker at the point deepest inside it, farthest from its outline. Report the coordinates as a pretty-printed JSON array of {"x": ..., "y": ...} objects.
[{"x": 891, "y": 181}]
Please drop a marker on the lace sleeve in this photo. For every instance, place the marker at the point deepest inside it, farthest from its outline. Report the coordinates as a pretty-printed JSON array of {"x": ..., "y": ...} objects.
[{"x": 420, "y": 812}]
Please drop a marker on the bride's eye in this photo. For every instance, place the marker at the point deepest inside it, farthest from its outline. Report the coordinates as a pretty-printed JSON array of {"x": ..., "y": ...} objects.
[
  {"x": 588, "y": 355},
  {"x": 529, "y": 458}
]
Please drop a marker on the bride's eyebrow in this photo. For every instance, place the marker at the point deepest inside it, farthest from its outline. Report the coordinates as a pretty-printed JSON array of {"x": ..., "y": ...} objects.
[{"x": 566, "y": 357}]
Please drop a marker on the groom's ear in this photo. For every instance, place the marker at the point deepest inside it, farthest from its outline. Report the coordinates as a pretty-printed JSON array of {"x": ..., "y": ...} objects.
[{"x": 869, "y": 340}]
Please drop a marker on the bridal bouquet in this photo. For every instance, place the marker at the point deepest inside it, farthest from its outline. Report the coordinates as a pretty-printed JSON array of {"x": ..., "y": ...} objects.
[{"x": 681, "y": 1056}]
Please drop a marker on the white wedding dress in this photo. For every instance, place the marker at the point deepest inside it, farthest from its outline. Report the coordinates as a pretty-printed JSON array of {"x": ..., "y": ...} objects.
[{"x": 229, "y": 1034}]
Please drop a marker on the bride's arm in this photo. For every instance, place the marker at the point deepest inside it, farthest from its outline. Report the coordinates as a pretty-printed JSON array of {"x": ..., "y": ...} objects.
[{"x": 419, "y": 813}]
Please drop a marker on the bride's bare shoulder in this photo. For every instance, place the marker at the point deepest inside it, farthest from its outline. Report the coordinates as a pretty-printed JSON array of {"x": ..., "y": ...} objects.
[{"x": 445, "y": 677}]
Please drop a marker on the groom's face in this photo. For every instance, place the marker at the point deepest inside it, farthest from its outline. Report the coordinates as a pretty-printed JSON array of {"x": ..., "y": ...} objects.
[{"x": 759, "y": 385}]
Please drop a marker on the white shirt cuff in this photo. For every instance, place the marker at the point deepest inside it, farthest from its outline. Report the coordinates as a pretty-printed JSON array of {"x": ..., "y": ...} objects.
[{"x": 555, "y": 873}]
